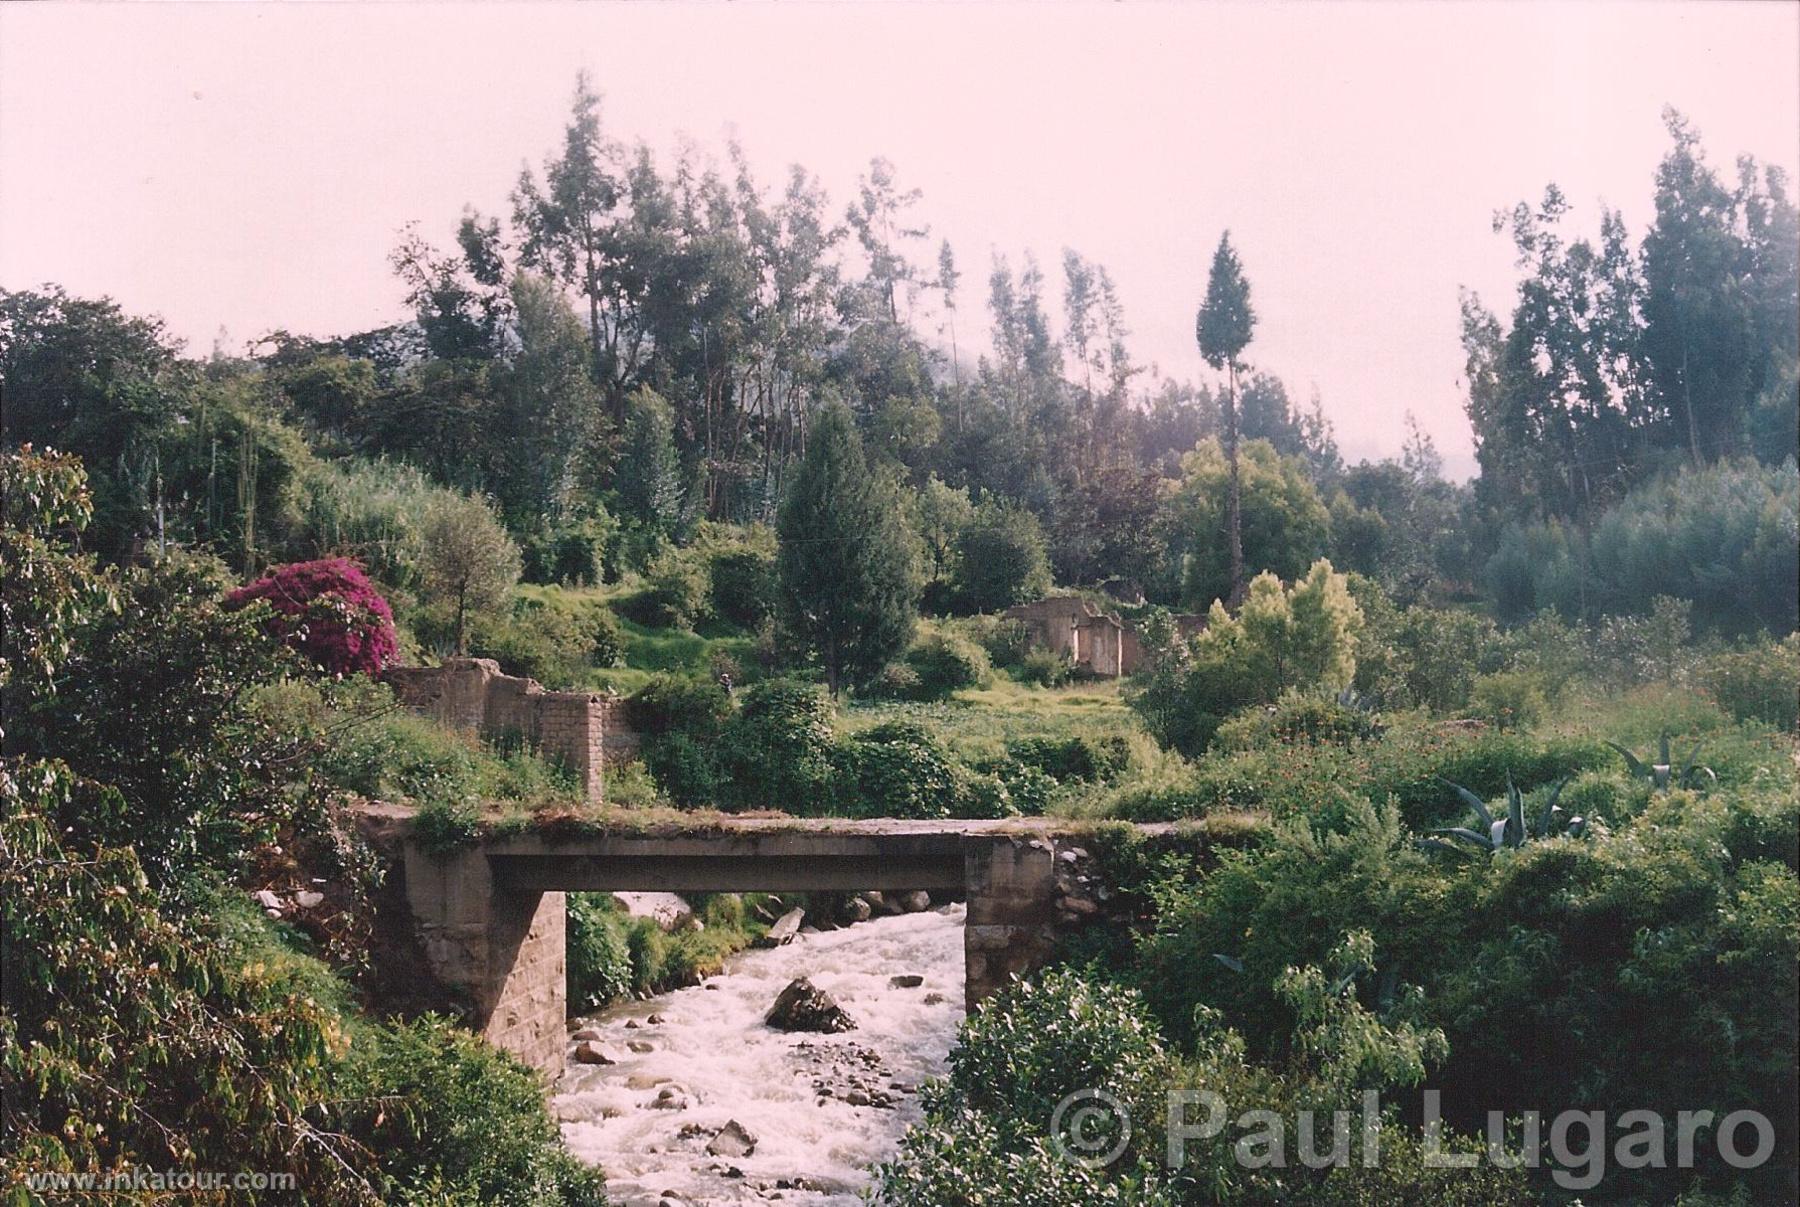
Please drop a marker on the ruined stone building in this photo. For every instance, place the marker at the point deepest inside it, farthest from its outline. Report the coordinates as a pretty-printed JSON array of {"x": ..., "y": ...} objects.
[
  {"x": 584, "y": 731},
  {"x": 1094, "y": 641}
]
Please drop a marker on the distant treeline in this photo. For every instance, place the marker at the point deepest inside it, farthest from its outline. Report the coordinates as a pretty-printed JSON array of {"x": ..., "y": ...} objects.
[{"x": 640, "y": 347}]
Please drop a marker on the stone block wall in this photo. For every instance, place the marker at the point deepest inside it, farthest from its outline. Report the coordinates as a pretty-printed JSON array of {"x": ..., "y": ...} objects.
[
  {"x": 505, "y": 949},
  {"x": 586, "y": 732},
  {"x": 1011, "y": 926}
]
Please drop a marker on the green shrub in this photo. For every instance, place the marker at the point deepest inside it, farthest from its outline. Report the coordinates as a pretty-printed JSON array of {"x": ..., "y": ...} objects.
[
  {"x": 898, "y": 769},
  {"x": 132, "y": 1032},
  {"x": 897, "y": 681},
  {"x": 1528, "y": 962},
  {"x": 674, "y": 594},
  {"x": 984, "y": 1142},
  {"x": 1029, "y": 789},
  {"x": 1508, "y": 699},
  {"x": 1758, "y": 683},
  {"x": 552, "y": 644},
  {"x": 1044, "y": 668},
  {"x": 1319, "y": 782},
  {"x": 574, "y": 553},
  {"x": 1037, "y": 1041},
  {"x": 1006, "y": 641},
  {"x": 648, "y": 948},
  {"x": 684, "y": 768},
  {"x": 599, "y": 952},
  {"x": 946, "y": 663},
  {"x": 776, "y": 753},
  {"x": 1001, "y": 559},
  {"x": 443, "y": 826},
  {"x": 1298, "y": 718},
  {"x": 681, "y": 719},
  {"x": 1087, "y": 760},
  {"x": 1297, "y": 638},
  {"x": 454, "y": 1119},
  {"x": 743, "y": 585},
  {"x": 606, "y": 643},
  {"x": 670, "y": 704}
]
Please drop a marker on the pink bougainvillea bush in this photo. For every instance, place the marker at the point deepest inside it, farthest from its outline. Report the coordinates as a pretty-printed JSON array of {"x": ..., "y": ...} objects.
[{"x": 329, "y": 611}]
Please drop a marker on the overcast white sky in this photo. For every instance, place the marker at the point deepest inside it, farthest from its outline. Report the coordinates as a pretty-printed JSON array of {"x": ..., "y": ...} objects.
[{"x": 249, "y": 165}]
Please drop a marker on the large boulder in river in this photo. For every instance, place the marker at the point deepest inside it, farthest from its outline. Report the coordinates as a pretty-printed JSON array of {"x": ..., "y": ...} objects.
[
  {"x": 785, "y": 928},
  {"x": 803, "y": 1006},
  {"x": 732, "y": 1140}
]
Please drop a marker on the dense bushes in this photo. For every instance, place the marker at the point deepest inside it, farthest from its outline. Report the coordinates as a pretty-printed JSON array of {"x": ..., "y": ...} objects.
[
  {"x": 457, "y": 1120},
  {"x": 1758, "y": 683},
  {"x": 1000, "y": 1131},
  {"x": 1088, "y": 760},
  {"x": 548, "y": 637},
  {"x": 776, "y": 752},
  {"x": 1001, "y": 559},
  {"x": 599, "y": 951},
  {"x": 132, "y": 1038},
  {"x": 1684, "y": 919},
  {"x": 1726, "y": 538},
  {"x": 742, "y": 585},
  {"x": 573, "y": 553},
  {"x": 1303, "y": 637},
  {"x": 1298, "y": 718},
  {"x": 1409, "y": 764},
  {"x": 938, "y": 664},
  {"x": 363, "y": 744},
  {"x": 899, "y": 770}
]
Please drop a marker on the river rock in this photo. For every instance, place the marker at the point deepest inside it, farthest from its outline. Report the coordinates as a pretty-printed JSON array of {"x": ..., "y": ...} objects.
[
  {"x": 880, "y": 903},
  {"x": 669, "y": 1098},
  {"x": 640, "y": 1046},
  {"x": 669, "y": 910},
  {"x": 307, "y": 899},
  {"x": 586, "y": 1033},
  {"x": 267, "y": 899},
  {"x": 856, "y": 910},
  {"x": 732, "y": 1140},
  {"x": 587, "y": 1052},
  {"x": 785, "y": 928},
  {"x": 906, "y": 980},
  {"x": 803, "y": 1006},
  {"x": 915, "y": 902}
]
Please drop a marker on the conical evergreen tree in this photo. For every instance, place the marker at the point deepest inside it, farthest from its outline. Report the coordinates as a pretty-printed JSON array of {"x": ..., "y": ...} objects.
[
  {"x": 1222, "y": 330},
  {"x": 849, "y": 578}
]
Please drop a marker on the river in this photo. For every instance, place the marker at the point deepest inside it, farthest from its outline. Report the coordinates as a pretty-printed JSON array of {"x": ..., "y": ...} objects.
[{"x": 823, "y": 1108}]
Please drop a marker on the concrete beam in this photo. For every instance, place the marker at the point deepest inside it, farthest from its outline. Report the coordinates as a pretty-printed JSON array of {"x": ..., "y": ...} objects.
[{"x": 724, "y": 873}]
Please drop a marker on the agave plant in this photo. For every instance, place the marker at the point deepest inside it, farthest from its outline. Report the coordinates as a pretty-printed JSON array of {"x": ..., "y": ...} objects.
[
  {"x": 1512, "y": 830},
  {"x": 1662, "y": 774}
]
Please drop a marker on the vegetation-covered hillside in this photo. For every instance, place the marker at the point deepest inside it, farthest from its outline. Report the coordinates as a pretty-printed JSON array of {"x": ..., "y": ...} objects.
[{"x": 667, "y": 431}]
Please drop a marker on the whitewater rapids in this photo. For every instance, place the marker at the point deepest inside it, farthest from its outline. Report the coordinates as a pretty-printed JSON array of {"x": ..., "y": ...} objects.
[{"x": 813, "y": 1102}]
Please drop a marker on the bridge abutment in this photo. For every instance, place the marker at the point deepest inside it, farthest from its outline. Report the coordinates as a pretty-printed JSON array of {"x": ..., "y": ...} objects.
[
  {"x": 1011, "y": 923},
  {"x": 502, "y": 946}
]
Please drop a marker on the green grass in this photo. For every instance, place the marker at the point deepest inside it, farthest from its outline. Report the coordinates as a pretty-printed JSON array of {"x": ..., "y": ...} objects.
[{"x": 979, "y": 721}]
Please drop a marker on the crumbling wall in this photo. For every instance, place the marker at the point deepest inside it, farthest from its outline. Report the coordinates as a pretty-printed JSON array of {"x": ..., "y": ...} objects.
[
  {"x": 584, "y": 731},
  {"x": 1098, "y": 642}
]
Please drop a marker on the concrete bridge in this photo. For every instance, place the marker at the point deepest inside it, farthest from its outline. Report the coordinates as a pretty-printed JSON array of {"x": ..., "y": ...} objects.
[{"x": 491, "y": 916}]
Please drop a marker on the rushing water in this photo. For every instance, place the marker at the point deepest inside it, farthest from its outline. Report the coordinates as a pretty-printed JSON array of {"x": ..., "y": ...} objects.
[{"x": 823, "y": 1108}]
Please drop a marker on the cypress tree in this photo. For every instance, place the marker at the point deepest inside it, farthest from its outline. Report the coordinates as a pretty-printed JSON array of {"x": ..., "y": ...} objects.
[{"x": 849, "y": 578}]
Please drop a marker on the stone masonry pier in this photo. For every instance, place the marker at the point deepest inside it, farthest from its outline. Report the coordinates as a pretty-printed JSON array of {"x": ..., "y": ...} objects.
[{"x": 491, "y": 917}]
